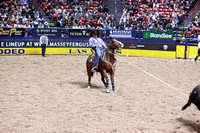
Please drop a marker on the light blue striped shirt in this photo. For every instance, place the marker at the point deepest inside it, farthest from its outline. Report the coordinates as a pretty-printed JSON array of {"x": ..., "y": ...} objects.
[
  {"x": 96, "y": 42},
  {"x": 44, "y": 39}
]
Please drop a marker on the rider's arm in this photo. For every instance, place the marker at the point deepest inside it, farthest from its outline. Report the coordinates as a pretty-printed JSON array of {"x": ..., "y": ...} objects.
[
  {"x": 91, "y": 42},
  {"x": 103, "y": 43}
]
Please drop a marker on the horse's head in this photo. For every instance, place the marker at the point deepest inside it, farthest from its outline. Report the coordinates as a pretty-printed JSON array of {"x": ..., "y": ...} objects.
[{"x": 115, "y": 44}]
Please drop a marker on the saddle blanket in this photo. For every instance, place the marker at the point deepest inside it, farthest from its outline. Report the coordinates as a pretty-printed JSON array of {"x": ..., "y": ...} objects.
[{"x": 93, "y": 56}]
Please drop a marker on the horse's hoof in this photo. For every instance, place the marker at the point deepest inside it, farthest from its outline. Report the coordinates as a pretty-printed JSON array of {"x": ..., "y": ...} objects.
[
  {"x": 88, "y": 87},
  {"x": 114, "y": 90},
  {"x": 107, "y": 90}
]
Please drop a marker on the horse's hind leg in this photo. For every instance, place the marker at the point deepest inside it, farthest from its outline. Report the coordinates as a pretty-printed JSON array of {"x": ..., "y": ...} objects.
[
  {"x": 107, "y": 84},
  {"x": 112, "y": 81},
  {"x": 90, "y": 74},
  {"x": 103, "y": 80},
  {"x": 89, "y": 80}
]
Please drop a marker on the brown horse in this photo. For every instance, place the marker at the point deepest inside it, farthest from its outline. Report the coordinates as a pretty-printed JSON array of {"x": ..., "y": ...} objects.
[{"x": 106, "y": 65}]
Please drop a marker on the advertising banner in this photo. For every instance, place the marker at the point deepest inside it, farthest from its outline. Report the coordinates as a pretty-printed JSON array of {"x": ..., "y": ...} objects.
[
  {"x": 150, "y": 45},
  {"x": 51, "y": 32},
  {"x": 36, "y": 43},
  {"x": 16, "y": 32},
  {"x": 80, "y": 32},
  {"x": 158, "y": 35},
  {"x": 121, "y": 33},
  {"x": 80, "y": 46},
  {"x": 83, "y": 43},
  {"x": 85, "y": 51}
]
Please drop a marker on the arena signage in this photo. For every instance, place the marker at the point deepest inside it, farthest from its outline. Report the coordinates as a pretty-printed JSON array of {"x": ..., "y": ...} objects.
[
  {"x": 128, "y": 44},
  {"x": 80, "y": 51},
  {"x": 51, "y": 32},
  {"x": 121, "y": 33},
  {"x": 158, "y": 35},
  {"x": 18, "y": 44},
  {"x": 150, "y": 46},
  {"x": 75, "y": 51},
  {"x": 12, "y": 32},
  {"x": 11, "y": 51},
  {"x": 80, "y": 33}
]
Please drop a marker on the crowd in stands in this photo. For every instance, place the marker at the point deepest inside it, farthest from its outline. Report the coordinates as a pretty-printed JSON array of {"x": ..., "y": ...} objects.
[
  {"x": 92, "y": 14},
  {"x": 20, "y": 14},
  {"x": 193, "y": 29},
  {"x": 154, "y": 15}
]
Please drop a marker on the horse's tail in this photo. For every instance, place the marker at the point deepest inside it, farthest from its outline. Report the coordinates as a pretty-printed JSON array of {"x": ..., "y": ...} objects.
[{"x": 89, "y": 66}]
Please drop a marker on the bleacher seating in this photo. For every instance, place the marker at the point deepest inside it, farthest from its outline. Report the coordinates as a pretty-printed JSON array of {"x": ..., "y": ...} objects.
[
  {"x": 168, "y": 11},
  {"x": 90, "y": 7},
  {"x": 81, "y": 12}
]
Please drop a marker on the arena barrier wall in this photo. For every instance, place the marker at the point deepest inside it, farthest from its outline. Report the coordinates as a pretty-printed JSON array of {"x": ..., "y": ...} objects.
[
  {"x": 80, "y": 46},
  {"x": 186, "y": 50}
]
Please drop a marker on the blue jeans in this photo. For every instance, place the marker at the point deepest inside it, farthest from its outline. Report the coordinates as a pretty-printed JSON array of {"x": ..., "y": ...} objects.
[
  {"x": 43, "y": 49},
  {"x": 98, "y": 52}
]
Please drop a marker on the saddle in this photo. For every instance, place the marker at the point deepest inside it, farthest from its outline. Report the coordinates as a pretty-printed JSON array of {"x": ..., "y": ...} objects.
[{"x": 93, "y": 56}]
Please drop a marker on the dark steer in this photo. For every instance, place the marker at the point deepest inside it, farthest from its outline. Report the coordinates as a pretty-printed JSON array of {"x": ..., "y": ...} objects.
[{"x": 194, "y": 98}]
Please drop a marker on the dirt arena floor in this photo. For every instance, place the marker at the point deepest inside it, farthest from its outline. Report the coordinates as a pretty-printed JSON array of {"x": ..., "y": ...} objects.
[{"x": 50, "y": 94}]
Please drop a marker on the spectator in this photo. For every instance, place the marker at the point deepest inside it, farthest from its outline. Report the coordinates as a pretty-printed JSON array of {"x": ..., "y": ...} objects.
[
  {"x": 134, "y": 27},
  {"x": 46, "y": 24},
  {"x": 87, "y": 26},
  {"x": 194, "y": 34},
  {"x": 36, "y": 13},
  {"x": 150, "y": 5},
  {"x": 112, "y": 27},
  {"x": 128, "y": 27},
  {"x": 144, "y": 11},
  {"x": 23, "y": 12},
  {"x": 140, "y": 26},
  {"x": 40, "y": 25},
  {"x": 152, "y": 27},
  {"x": 169, "y": 27},
  {"x": 139, "y": 19},
  {"x": 144, "y": 2},
  {"x": 81, "y": 26},
  {"x": 145, "y": 26},
  {"x": 101, "y": 10},
  {"x": 122, "y": 26},
  {"x": 155, "y": 5},
  {"x": 163, "y": 26},
  {"x": 5, "y": 25},
  {"x": 193, "y": 23},
  {"x": 168, "y": 3},
  {"x": 57, "y": 10}
]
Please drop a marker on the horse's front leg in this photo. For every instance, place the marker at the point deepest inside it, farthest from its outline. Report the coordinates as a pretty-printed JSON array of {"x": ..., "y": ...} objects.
[
  {"x": 112, "y": 81},
  {"x": 103, "y": 79},
  {"x": 104, "y": 75}
]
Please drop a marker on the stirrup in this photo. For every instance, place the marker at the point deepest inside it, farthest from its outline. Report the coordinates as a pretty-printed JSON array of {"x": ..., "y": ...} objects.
[{"x": 94, "y": 69}]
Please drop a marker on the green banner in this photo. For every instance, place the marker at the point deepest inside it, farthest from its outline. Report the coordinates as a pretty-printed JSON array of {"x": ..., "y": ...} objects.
[{"x": 158, "y": 35}]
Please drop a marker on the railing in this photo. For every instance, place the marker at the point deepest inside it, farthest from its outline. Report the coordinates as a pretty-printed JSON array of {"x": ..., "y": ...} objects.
[{"x": 191, "y": 14}]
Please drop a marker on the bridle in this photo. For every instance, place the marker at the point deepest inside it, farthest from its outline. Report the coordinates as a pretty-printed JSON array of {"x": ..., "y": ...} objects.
[{"x": 114, "y": 46}]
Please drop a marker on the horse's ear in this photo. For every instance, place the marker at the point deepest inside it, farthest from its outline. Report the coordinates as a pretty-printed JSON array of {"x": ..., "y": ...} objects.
[{"x": 111, "y": 38}]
